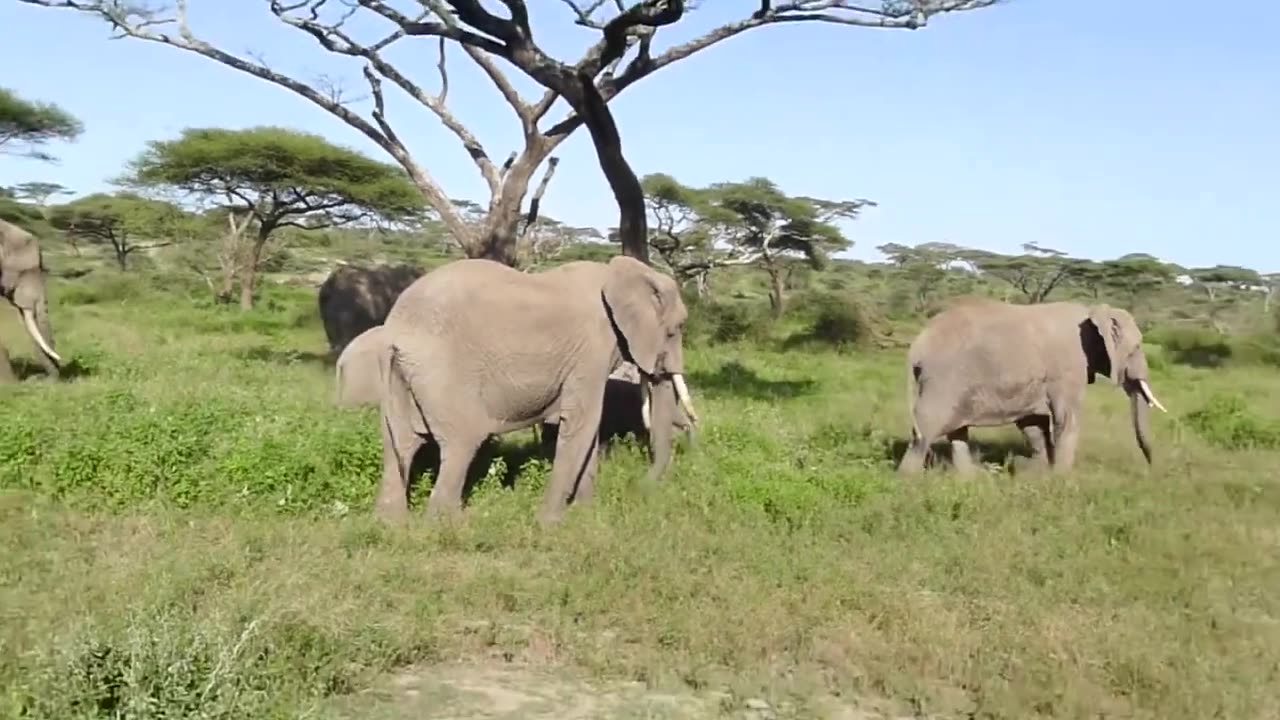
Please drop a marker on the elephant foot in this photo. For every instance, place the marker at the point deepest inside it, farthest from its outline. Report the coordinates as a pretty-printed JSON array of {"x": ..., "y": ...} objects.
[
  {"x": 548, "y": 516},
  {"x": 1030, "y": 466},
  {"x": 391, "y": 512},
  {"x": 443, "y": 510}
]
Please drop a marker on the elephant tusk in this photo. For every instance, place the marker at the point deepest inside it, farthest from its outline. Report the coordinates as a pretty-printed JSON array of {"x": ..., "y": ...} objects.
[
  {"x": 29, "y": 321},
  {"x": 1150, "y": 396},
  {"x": 682, "y": 392},
  {"x": 644, "y": 407}
]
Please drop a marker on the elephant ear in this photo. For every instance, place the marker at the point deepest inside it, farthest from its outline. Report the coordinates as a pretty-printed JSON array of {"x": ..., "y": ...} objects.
[
  {"x": 1120, "y": 335},
  {"x": 633, "y": 301}
]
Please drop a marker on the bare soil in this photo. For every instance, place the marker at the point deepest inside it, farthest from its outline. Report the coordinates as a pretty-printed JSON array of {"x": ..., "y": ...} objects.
[{"x": 515, "y": 692}]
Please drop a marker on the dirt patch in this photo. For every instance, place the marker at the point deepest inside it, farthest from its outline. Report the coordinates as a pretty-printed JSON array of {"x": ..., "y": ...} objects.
[{"x": 467, "y": 692}]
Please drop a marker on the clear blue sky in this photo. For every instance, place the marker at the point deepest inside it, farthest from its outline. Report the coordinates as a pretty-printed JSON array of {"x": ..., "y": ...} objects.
[{"x": 1098, "y": 127}]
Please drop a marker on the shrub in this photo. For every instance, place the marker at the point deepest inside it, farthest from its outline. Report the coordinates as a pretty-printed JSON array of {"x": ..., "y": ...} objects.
[
  {"x": 839, "y": 321},
  {"x": 1227, "y": 421},
  {"x": 1197, "y": 346},
  {"x": 727, "y": 322}
]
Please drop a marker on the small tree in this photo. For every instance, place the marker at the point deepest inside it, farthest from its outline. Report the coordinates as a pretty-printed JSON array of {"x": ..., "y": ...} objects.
[
  {"x": 677, "y": 232},
  {"x": 26, "y": 126},
  {"x": 271, "y": 178},
  {"x": 1136, "y": 274},
  {"x": 1035, "y": 274},
  {"x": 771, "y": 230},
  {"x": 124, "y": 221},
  {"x": 923, "y": 268},
  {"x": 38, "y": 194}
]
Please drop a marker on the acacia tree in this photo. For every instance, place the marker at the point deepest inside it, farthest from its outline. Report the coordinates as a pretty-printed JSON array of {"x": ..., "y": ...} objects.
[
  {"x": 924, "y": 267},
  {"x": 26, "y": 126},
  {"x": 268, "y": 178},
  {"x": 624, "y": 53},
  {"x": 1036, "y": 273},
  {"x": 124, "y": 221},
  {"x": 678, "y": 233},
  {"x": 769, "y": 229}
]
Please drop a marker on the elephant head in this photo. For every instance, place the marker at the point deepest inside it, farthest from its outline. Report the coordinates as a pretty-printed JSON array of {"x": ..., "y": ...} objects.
[
  {"x": 648, "y": 317},
  {"x": 22, "y": 282},
  {"x": 1114, "y": 349}
]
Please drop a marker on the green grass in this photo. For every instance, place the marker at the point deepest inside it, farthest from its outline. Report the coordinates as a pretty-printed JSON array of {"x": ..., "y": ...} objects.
[{"x": 186, "y": 532}]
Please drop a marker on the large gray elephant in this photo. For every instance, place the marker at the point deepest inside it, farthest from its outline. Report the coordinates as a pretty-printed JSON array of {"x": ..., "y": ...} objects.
[
  {"x": 22, "y": 282},
  {"x": 982, "y": 363},
  {"x": 476, "y": 348},
  {"x": 626, "y": 408},
  {"x": 355, "y": 298}
]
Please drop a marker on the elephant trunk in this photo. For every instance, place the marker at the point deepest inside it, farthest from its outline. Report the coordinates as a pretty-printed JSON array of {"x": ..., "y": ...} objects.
[
  {"x": 1141, "y": 412},
  {"x": 1142, "y": 398},
  {"x": 662, "y": 410}
]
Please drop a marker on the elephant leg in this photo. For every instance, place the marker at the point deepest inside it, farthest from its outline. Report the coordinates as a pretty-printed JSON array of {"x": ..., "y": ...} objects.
[
  {"x": 6, "y": 369},
  {"x": 913, "y": 460},
  {"x": 1066, "y": 435},
  {"x": 1035, "y": 428},
  {"x": 456, "y": 453},
  {"x": 961, "y": 456},
  {"x": 576, "y": 445},
  {"x": 399, "y": 446}
]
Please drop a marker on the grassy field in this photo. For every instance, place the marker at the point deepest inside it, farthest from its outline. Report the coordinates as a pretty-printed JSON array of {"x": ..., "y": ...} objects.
[{"x": 185, "y": 532}]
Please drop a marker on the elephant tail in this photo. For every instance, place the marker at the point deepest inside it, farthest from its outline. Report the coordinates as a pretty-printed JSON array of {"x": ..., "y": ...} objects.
[{"x": 913, "y": 392}]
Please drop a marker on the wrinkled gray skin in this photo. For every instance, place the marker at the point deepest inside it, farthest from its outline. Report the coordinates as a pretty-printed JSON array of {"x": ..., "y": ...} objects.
[
  {"x": 22, "y": 282},
  {"x": 985, "y": 363},
  {"x": 476, "y": 348},
  {"x": 623, "y": 412},
  {"x": 353, "y": 299}
]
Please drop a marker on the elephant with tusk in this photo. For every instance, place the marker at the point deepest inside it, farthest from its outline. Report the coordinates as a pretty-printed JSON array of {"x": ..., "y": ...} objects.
[
  {"x": 476, "y": 348},
  {"x": 22, "y": 282},
  {"x": 984, "y": 363}
]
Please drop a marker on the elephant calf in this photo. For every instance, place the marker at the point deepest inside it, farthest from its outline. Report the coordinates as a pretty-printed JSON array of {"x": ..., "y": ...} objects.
[
  {"x": 985, "y": 363},
  {"x": 353, "y": 299}
]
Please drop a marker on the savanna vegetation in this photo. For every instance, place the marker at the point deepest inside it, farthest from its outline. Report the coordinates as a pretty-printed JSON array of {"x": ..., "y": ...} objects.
[{"x": 187, "y": 525}]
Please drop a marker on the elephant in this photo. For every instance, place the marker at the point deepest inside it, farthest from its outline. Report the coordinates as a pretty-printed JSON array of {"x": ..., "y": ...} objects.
[
  {"x": 22, "y": 281},
  {"x": 476, "y": 348},
  {"x": 983, "y": 363},
  {"x": 357, "y": 375},
  {"x": 353, "y": 299},
  {"x": 625, "y": 410}
]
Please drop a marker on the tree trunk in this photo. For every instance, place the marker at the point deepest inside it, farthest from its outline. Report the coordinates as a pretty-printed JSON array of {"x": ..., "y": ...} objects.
[
  {"x": 498, "y": 240},
  {"x": 122, "y": 255},
  {"x": 249, "y": 271},
  {"x": 777, "y": 294},
  {"x": 633, "y": 226}
]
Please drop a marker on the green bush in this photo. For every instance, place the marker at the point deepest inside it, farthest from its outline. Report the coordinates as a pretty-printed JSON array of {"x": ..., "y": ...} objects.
[
  {"x": 727, "y": 322},
  {"x": 1228, "y": 422},
  {"x": 840, "y": 322}
]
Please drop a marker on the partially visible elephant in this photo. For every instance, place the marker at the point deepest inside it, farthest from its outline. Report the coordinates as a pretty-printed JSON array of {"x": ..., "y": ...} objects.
[
  {"x": 357, "y": 371},
  {"x": 476, "y": 348},
  {"x": 982, "y": 363},
  {"x": 22, "y": 282},
  {"x": 354, "y": 298}
]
